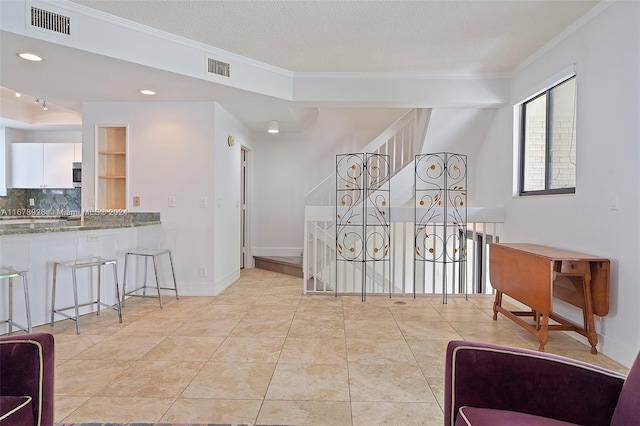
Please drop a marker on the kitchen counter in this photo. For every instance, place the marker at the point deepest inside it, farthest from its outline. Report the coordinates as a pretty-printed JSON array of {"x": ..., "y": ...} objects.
[
  {"x": 14, "y": 225},
  {"x": 48, "y": 239}
]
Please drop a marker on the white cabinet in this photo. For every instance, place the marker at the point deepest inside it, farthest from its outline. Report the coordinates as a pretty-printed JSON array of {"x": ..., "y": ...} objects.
[
  {"x": 26, "y": 165},
  {"x": 58, "y": 165},
  {"x": 42, "y": 165},
  {"x": 77, "y": 153}
]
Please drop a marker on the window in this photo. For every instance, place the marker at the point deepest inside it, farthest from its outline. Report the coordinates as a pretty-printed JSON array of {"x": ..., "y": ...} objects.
[{"x": 548, "y": 141}]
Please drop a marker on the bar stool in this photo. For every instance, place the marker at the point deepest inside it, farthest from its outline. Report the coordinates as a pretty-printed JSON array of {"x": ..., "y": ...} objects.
[
  {"x": 14, "y": 263},
  {"x": 91, "y": 251},
  {"x": 158, "y": 249}
]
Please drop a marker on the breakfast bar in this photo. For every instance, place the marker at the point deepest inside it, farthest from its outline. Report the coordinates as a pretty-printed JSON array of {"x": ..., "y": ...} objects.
[{"x": 48, "y": 239}]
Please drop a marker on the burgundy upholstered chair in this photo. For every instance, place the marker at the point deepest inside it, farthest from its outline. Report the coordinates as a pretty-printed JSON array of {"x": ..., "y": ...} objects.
[
  {"x": 500, "y": 386},
  {"x": 26, "y": 379}
]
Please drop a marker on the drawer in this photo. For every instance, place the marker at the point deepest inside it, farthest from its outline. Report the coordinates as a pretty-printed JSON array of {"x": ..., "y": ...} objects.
[{"x": 572, "y": 267}]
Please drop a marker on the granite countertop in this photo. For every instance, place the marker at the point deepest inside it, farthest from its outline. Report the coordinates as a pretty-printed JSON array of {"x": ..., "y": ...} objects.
[{"x": 13, "y": 225}]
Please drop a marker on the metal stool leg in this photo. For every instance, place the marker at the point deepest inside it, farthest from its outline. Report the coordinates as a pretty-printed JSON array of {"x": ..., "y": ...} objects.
[
  {"x": 10, "y": 306},
  {"x": 99, "y": 287},
  {"x": 173, "y": 274},
  {"x": 53, "y": 292},
  {"x": 26, "y": 300},
  {"x": 75, "y": 298},
  {"x": 144, "y": 280},
  {"x": 11, "y": 320},
  {"x": 124, "y": 279},
  {"x": 155, "y": 270},
  {"x": 115, "y": 281}
]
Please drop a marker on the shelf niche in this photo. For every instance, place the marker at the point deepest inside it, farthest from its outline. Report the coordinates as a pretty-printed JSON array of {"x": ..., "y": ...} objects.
[{"x": 111, "y": 188}]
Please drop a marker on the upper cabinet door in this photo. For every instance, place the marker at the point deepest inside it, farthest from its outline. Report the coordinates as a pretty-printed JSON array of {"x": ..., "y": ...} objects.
[
  {"x": 58, "y": 165},
  {"x": 77, "y": 152},
  {"x": 38, "y": 165},
  {"x": 26, "y": 165}
]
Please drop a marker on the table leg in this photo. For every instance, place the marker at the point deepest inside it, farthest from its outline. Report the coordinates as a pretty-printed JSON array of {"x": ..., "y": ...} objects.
[
  {"x": 590, "y": 326},
  {"x": 543, "y": 334},
  {"x": 498, "y": 302}
]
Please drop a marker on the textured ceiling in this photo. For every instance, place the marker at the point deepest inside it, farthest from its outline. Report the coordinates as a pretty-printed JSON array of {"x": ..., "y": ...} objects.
[{"x": 439, "y": 36}]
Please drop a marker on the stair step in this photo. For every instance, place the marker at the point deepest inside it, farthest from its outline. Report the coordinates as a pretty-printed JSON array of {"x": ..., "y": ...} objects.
[{"x": 289, "y": 265}]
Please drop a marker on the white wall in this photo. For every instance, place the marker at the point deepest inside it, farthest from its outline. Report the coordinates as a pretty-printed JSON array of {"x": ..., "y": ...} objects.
[
  {"x": 3, "y": 162},
  {"x": 171, "y": 153},
  {"x": 606, "y": 53},
  {"x": 227, "y": 189},
  {"x": 289, "y": 165}
]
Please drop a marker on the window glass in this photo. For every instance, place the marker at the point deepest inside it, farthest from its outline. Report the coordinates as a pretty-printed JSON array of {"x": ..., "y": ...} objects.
[
  {"x": 548, "y": 153},
  {"x": 562, "y": 151},
  {"x": 535, "y": 147}
]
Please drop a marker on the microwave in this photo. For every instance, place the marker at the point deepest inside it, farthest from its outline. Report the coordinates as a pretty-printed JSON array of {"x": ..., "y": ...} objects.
[{"x": 77, "y": 175}]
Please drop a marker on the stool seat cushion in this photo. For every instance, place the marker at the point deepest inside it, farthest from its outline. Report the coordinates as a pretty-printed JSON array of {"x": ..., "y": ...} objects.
[{"x": 16, "y": 410}]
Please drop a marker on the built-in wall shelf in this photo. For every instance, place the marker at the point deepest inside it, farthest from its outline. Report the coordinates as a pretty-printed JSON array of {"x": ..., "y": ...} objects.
[{"x": 111, "y": 145}]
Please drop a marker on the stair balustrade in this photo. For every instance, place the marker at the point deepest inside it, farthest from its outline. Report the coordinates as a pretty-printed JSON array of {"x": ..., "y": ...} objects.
[
  {"x": 484, "y": 226},
  {"x": 401, "y": 141}
]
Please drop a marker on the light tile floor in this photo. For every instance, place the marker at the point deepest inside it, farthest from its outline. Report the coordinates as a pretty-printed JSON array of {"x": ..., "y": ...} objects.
[{"x": 261, "y": 352}]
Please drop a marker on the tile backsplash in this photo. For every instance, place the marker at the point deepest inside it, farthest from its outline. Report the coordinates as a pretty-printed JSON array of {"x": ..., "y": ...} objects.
[{"x": 46, "y": 202}]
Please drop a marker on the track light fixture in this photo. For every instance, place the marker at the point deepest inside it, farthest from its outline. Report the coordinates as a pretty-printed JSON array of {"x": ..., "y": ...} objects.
[{"x": 44, "y": 103}]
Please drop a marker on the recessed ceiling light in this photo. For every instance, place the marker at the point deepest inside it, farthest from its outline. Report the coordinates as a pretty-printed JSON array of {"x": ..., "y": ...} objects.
[
  {"x": 147, "y": 92},
  {"x": 18, "y": 94},
  {"x": 273, "y": 127},
  {"x": 30, "y": 57}
]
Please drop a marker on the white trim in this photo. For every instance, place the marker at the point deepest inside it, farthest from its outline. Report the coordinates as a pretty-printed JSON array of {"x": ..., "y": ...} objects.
[
  {"x": 549, "y": 82},
  {"x": 277, "y": 251},
  {"x": 464, "y": 417},
  {"x": 426, "y": 75},
  {"x": 18, "y": 408},
  {"x": 221, "y": 284},
  {"x": 154, "y": 32}
]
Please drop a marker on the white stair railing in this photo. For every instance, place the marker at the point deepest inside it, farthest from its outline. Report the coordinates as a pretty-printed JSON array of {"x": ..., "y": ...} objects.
[
  {"x": 322, "y": 274},
  {"x": 401, "y": 141}
]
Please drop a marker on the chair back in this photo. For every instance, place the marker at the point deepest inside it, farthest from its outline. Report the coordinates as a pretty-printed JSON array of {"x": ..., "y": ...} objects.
[
  {"x": 155, "y": 238},
  {"x": 96, "y": 247},
  {"x": 169, "y": 239},
  {"x": 14, "y": 256},
  {"x": 627, "y": 412}
]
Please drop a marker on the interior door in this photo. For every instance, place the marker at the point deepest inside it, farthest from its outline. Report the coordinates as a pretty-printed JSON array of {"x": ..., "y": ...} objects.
[{"x": 243, "y": 209}]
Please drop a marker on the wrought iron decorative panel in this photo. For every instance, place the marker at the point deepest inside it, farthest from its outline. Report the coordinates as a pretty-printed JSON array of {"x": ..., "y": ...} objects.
[
  {"x": 362, "y": 219},
  {"x": 440, "y": 206}
]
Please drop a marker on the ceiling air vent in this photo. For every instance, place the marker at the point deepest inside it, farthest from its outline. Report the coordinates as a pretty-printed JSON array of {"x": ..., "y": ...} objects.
[
  {"x": 218, "y": 67},
  {"x": 51, "y": 21}
]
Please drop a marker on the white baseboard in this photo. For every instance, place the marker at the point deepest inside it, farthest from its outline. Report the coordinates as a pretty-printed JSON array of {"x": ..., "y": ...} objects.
[
  {"x": 277, "y": 251},
  {"x": 226, "y": 281}
]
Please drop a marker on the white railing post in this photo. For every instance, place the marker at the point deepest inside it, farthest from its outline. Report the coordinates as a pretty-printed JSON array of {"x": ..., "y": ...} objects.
[{"x": 321, "y": 269}]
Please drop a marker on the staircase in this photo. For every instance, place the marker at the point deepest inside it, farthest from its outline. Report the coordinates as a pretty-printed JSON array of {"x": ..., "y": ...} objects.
[
  {"x": 288, "y": 265},
  {"x": 401, "y": 141}
]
